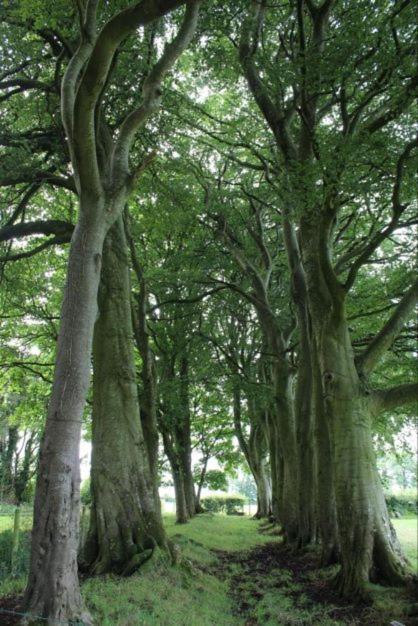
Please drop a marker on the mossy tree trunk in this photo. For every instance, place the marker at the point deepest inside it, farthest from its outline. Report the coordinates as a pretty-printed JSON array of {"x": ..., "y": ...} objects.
[
  {"x": 174, "y": 424},
  {"x": 183, "y": 437},
  {"x": 325, "y": 494},
  {"x": 125, "y": 520},
  {"x": 303, "y": 400},
  {"x": 182, "y": 512},
  {"x": 254, "y": 449},
  {"x": 368, "y": 545}
]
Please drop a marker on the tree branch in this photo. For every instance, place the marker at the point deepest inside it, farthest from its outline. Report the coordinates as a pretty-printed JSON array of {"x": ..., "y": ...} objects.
[
  {"x": 397, "y": 209},
  {"x": 384, "y": 339},
  {"x": 247, "y": 49},
  {"x": 387, "y": 399},
  {"x": 151, "y": 90},
  {"x": 48, "y": 227},
  {"x": 95, "y": 75}
]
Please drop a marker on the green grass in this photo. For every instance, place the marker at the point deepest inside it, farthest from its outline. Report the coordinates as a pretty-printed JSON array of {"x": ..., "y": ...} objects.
[
  {"x": 174, "y": 597},
  {"x": 219, "y": 532},
  {"x": 7, "y": 517},
  {"x": 183, "y": 596},
  {"x": 195, "y": 594},
  {"x": 407, "y": 531}
]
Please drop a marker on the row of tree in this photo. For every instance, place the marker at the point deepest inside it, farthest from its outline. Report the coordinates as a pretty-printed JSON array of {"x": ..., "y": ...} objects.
[{"x": 240, "y": 264}]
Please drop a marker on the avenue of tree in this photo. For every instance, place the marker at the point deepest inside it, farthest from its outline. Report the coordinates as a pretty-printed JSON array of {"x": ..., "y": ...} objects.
[{"x": 207, "y": 223}]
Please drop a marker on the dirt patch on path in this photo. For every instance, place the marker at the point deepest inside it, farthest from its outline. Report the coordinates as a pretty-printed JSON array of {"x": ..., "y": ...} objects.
[{"x": 271, "y": 585}]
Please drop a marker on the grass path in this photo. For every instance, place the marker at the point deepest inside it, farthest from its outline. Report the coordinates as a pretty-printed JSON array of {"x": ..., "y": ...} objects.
[
  {"x": 231, "y": 575},
  {"x": 236, "y": 575}
]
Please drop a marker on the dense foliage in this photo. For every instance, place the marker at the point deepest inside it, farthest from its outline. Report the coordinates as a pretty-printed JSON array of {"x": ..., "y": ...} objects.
[{"x": 213, "y": 210}]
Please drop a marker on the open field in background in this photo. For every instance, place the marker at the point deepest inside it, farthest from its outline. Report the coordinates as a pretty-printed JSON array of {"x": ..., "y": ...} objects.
[
  {"x": 220, "y": 583},
  {"x": 407, "y": 531}
]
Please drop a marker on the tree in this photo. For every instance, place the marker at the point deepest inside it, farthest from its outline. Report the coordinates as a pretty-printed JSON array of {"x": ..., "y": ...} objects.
[
  {"x": 366, "y": 538},
  {"x": 103, "y": 179}
]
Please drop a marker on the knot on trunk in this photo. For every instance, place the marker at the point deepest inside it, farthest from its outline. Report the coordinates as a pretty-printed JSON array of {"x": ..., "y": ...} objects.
[{"x": 328, "y": 378}]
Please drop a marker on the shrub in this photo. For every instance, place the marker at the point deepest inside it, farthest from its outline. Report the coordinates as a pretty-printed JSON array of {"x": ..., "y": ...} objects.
[
  {"x": 85, "y": 492},
  {"x": 229, "y": 504},
  {"x": 402, "y": 503}
]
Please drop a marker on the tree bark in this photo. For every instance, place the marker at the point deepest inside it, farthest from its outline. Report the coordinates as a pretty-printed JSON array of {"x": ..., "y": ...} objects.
[
  {"x": 254, "y": 450},
  {"x": 53, "y": 591},
  {"x": 325, "y": 494},
  {"x": 257, "y": 451},
  {"x": 148, "y": 375},
  {"x": 368, "y": 544},
  {"x": 303, "y": 393},
  {"x": 276, "y": 467},
  {"x": 262, "y": 481},
  {"x": 182, "y": 512},
  {"x": 125, "y": 519},
  {"x": 285, "y": 425},
  {"x": 284, "y": 428},
  {"x": 183, "y": 437},
  {"x": 199, "y": 508},
  {"x": 174, "y": 425}
]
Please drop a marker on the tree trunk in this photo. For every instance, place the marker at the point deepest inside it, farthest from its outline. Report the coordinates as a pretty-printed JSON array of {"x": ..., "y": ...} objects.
[
  {"x": 125, "y": 521},
  {"x": 282, "y": 412},
  {"x": 262, "y": 481},
  {"x": 199, "y": 508},
  {"x": 306, "y": 461},
  {"x": 15, "y": 540},
  {"x": 325, "y": 495},
  {"x": 303, "y": 393},
  {"x": 53, "y": 589},
  {"x": 257, "y": 445},
  {"x": 276, "y": 467},
  {"x": 289, "y": 504},
  {"x": 6, "y": 476},
  {"x": 369, "y": 547},
  {"x": 148, "y": 392},
  {"x": 183, "y": 438},
  {"x": 174, "y": 425},
  {"x": 182, "y": 512}
]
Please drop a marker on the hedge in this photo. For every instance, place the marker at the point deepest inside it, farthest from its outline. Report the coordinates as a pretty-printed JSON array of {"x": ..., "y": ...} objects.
[
  {"x": 402, "y": 503},
  {"x": 229, "y": 504}
]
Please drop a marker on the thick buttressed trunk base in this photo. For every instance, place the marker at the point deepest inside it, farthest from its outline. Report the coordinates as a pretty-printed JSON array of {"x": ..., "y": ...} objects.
[
  {"x": 369, "y": 547},
  {"x": 125, "y": 522},
  {"x": 121, "y": 536},
  {"x": 375, "y": 554}
]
